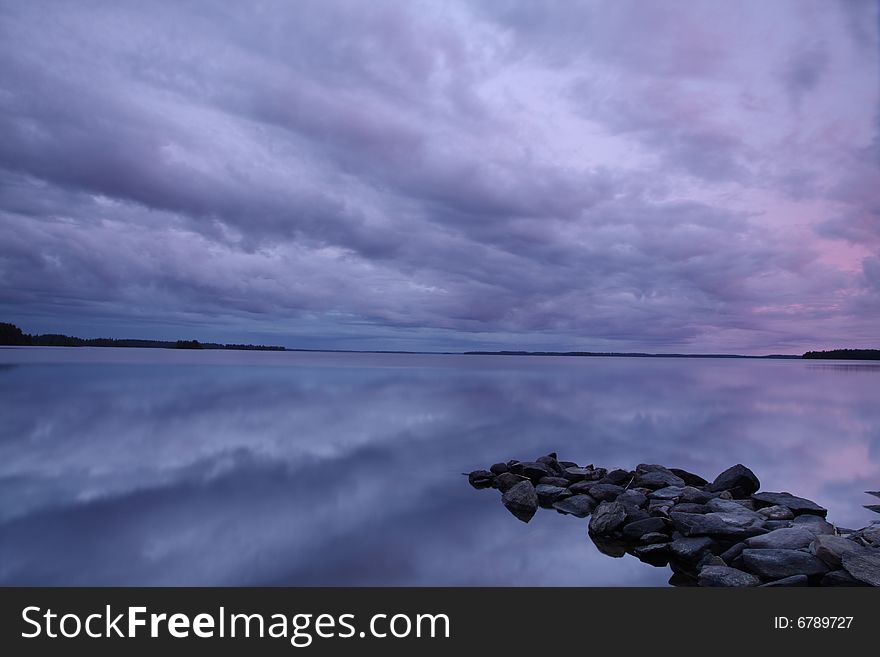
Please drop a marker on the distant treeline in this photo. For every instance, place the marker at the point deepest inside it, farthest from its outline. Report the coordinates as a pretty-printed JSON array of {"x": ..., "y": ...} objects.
[
  {"x": 845, "y": 354},
  {"x": 10, "y": 334},
  {"x": 619, "y": 354}
]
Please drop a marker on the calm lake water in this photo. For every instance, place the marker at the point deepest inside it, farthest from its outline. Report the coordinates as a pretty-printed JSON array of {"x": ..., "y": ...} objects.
[{"x": 163, "y": 467}]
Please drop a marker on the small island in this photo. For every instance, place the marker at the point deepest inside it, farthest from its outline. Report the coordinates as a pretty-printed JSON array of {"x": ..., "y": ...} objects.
[{"x": 845, "y": 354}]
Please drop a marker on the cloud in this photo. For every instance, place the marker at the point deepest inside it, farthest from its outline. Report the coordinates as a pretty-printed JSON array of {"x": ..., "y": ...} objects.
[{"x": 590, "y": 175}]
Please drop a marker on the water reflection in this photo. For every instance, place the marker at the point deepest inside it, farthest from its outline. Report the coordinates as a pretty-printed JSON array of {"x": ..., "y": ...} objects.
[{"x": 125, "y": 467}]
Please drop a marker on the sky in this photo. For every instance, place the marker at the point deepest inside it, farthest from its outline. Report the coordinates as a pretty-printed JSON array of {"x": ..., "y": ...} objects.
[{"x": 684, "y": 176}]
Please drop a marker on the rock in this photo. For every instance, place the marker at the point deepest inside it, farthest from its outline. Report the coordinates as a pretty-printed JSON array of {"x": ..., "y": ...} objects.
[
  {"x": 724, "y": 525},
  {"x": 607, "y": 517},
  {"x": 613, "y": 546},
  {"x": 776, "y": 512},
  {"x": 864, "y": 566},
  {"x": 633, "y": 498},
  {"x": 695, "y": 495},
  {"x": 791, "y": 538},
  {"x": 634, "y": 513},
  {"x": 655, "y": 554},
  {"x": 840, "y": 578},
  {"x": 831, "y": 549},
  {"x": 498, "y": 468},
  {"x": 687, "y": 507},
  {"x": 658, "y": 479},
  {"x": 873, "y": 507},
  {"x": 747, "y": 504},
  {"x": 871, "y": 535},
  {"x": 521, "y": 500},
  {"x": 547, "y": 494},
  {"x": 568, "y": 464},
  {"x": 733, "y": 552},
  {"x": 688, "y": 478},
  {"x": 667, "y": 493},
  {"x": 776, "y": 564},
  {"x": 777, "y": 524},
  {"x": 551, "y": 462},
  {"x": 654, "y": 537},
  {"x": 554, "y": 481},
  {"x": 637, "y": 529},
  {"x": 533, "y": 470},
  {"x": 709, "y": 559},
  {"x": 798, "y": 505},
  {"x": 605, "y": 492},
  {"x": 726, "y": 576},
  {"x": 579, "y": 506},
  {"x": 617, "y": 477},
  {"x": 504, "y": 482},
  {"x": 875, "y": 493},
  {"x": 815, "y": 524},
  {"x": 481, "y": 478},
  {"x": 660, "y": 507},
  {"x": 575, "y": 473},
  {"x": 739, "y": 480},
  {"x": 794, "y": 580},
  {"x": 691, "y": 549}
]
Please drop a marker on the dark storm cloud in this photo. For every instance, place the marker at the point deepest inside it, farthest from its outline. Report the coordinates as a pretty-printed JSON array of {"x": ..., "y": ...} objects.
[{"x": 571, "y": 174}]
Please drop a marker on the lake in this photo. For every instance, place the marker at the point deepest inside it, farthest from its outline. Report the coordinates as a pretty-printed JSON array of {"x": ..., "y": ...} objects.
[{"x": 165, "y": 467}]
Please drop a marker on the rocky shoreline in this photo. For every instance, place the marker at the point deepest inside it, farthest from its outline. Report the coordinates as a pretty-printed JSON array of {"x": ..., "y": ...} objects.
[{"x": 719, "y": 533}]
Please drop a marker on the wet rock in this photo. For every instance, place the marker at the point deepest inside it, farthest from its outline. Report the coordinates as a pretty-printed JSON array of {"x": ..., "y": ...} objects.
[
  {"x": 794, "y": 580},
  {"x": 637, "y": 529},
  {"x": 798, "y": 505},
  {"x": 864, "y": 566},
  {"x": 607, "y": 517},
  {"x": 726, "y": 576},
  {"x": 840, "y": 578},
  {"x": 634, "y": 513},
  {"x": 688, "y": 478},
  {"x": 686, "y": 507},
  {"x": 504, "y": 482},
  {"x": 776, "y": 564},
  {"x": 831, "y": 549},
  {"x": 532, "y": 470},
  {"x": 548, "y": 494},
  {"x": 605, "y": 492},
  {"x": 658, "y": 479},
  {"x": 724, "y": 525},
  {"x": 791, "y": 538},
  {"x": 633, "y": 498},
  {"x": 481, "y": 478},
  {"x": 667, "y": 493},
  {"x": 498, "y": 468},
  {"x": 776, "y": 512},
  {"x": 691, "y": 549},
  {"x": 655, "y": 537},
  {"x": 521, "y": 500},
  {"x": 617, "y": 477},
  {"x": 554, "y": 481},
  {"x": 739, "y": 480},
  {"x": 579, "y": 506}
]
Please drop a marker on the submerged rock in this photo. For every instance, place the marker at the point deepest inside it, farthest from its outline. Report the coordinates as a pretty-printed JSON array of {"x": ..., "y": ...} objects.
[{"x": 521, "y": 500}]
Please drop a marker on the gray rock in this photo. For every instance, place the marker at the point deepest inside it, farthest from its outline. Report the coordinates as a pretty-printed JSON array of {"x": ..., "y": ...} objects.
[
  {"x": 840, "y": 578},
  {"x": 533, "y": 470},
  {"x": 776, "y": 512},
  {"x": 794, "y": 580},
  {"x": 864, "y": 566},
  {"x": 481, "y": 478},
  {"x": 689, "y": 478},
  {"x": 733, "y": 552},
  {"x": 739, "y": 480},
  {"x": 654, "y": 537},
  {"x": 634, "y": 513},
  {"x": 687, "y": 507},
  {"x": 633, "y": 498},
  {"x": 605, "y": 492},
  {"x": 747, "y": 504},
  {"x": 574, "y": 474},
  {"x": 521, "y": 500},
  {"x": 547, "y": 494},
  {"x": 579, "y": 506},
  {"x": 777, "y": 524},
  {"x": 798, "y": 505},
  {"x": 691, "y": 549},
  {"x": 695, "y": 495},
  {"x": 637, "y": 529},
  {"x": 726, "y": 576},
  {"x": 815, "y": 524},
  {"x": 791, "y": 538},
  {"x": 660, "y": 507},
  {"x": 498, "y": 468},
  {"x": 831, "y": 549},
  {"x": 658, "y": 479},
  {"x": 554, "y": 481},
  {"x": 871, "y": 535},
  {"x": 666, "y": 493},
  {"x": 617, "y": 477},
  {"x": 724, "y": 525},
  {"x": 607, "y": 517},
  {"x": 776, "y": 564},
  {"x": 551, "y": 462},
  {"x": 709, "y": 559},
  {"x": 504, "y": 482}
]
